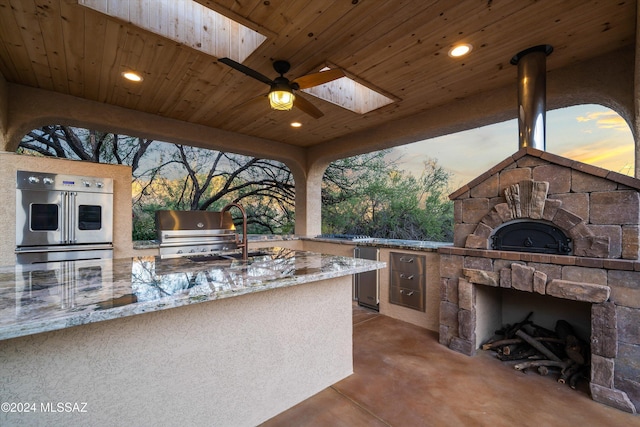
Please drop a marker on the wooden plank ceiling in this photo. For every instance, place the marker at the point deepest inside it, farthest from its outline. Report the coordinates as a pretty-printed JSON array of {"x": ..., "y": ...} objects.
[{"x": 399, "y": 47}]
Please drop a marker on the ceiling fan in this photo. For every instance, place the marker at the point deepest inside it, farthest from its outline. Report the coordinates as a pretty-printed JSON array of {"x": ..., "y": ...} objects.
[{"x": 282, "y": 94}]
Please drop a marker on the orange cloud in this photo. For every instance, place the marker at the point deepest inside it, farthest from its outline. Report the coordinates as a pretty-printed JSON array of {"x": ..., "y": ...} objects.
[
  {"x": 605, "y": 120},
  {"x": 604, "y": 154}
]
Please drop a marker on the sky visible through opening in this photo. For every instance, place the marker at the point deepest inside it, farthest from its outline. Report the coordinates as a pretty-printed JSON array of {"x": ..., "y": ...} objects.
[{"x": 591, "y": 134}]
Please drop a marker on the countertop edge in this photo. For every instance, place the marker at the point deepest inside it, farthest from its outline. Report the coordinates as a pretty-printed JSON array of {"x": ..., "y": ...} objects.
[
  {"x": 194, "y": 296},
  {"x": 414, "y": 245}
]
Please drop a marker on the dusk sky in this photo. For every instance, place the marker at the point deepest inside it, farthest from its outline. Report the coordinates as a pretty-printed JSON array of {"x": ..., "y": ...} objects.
[{"x": 589, "y": 133}]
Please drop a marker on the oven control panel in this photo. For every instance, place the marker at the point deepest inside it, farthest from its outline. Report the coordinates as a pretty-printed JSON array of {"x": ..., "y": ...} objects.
[{"x": 48, "y": 181}]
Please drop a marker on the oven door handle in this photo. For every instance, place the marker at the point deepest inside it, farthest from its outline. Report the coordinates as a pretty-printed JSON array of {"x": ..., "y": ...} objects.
[
  {"x": 72, "y": 217},
  {"x": 64, "y": 221}
]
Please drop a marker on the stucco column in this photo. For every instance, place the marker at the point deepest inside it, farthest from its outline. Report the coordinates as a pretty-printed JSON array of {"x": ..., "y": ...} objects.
[{"x": 309, "y": 201}]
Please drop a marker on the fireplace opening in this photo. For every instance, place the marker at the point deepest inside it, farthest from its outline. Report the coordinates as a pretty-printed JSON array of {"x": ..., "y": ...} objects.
[
  {"x": 497, "y": 307},
  {"x": 531, "y": 236},
  {"x": 503, "y": 312}
]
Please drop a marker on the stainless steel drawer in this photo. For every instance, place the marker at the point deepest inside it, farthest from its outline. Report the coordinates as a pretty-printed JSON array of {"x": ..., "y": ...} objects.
[
  {"x": 407, "y": 280},
  {"x": 407, "y": 297},
  {"x": 408, "y": 263}
]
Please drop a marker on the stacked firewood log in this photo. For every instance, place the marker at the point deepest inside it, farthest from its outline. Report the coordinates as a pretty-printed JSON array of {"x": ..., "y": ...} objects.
[{"x": 529, "y": 346}]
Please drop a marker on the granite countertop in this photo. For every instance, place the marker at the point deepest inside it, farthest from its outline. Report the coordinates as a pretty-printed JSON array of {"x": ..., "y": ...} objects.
[
  {"x": 45, "y": 297},
  {"x": 421, "y": 245},
  {"x": 409, "y": 244}
]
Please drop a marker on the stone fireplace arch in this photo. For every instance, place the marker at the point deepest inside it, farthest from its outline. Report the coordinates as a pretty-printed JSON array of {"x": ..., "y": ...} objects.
[{"x": 527, "y": 200}]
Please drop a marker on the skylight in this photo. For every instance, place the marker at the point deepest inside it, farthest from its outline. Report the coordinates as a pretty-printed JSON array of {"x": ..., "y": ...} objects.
[
  {"x": 348, "y": 93},
  {"x": 186, "y": 22}
]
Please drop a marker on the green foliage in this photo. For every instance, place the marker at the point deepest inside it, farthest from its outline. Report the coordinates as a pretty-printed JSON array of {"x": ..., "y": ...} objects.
[
  {"x": 375, "y": 198},
  {"x": 144, "y": 226}
]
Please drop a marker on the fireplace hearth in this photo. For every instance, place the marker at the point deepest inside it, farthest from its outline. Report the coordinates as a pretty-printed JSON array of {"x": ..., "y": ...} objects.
[{"x": 540, "y": 226}]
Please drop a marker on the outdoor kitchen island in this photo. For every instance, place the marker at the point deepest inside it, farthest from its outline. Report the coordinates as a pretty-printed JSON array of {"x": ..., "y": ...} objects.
[{"x": 151, "y": 341}]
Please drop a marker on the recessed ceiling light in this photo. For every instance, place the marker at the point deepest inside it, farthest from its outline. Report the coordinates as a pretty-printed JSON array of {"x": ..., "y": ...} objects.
[
  {"x": 296, "y": 124},
  {"x": 460, "y": 50},
  {"x": 130, "y": 75}
]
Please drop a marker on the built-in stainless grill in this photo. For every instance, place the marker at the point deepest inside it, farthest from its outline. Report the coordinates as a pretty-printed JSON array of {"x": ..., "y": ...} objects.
[{"x": 199, "y": 233}]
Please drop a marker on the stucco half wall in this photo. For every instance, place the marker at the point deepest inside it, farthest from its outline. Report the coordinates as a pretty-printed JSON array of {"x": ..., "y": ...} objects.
[{"x": 232, "y": 362}]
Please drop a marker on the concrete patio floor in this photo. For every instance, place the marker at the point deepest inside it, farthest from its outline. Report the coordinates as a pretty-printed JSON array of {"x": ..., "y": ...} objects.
[{"x": 404, "y": 377}]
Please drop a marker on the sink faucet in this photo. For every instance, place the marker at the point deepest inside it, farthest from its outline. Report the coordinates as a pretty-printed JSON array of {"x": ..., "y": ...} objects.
[{"x": 244, "y": 245}]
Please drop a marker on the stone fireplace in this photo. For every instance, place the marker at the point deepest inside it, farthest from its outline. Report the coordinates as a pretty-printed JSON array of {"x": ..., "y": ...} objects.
[{"x": 596, "y": 272}]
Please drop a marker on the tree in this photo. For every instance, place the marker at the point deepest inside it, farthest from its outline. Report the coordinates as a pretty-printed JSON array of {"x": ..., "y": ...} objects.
[
  {"x": 199, "y": 179},
  {"x": 173, "y": 176},
  {"x": 373, "y": 197},
  {"x": 82, "y": 144}
]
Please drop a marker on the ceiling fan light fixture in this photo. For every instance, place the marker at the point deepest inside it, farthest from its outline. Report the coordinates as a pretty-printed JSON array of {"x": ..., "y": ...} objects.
[{"x": 281, "y": 99}]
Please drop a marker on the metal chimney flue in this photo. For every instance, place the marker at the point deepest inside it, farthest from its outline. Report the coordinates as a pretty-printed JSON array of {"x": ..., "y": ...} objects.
[{"x": 532, "y": 99}]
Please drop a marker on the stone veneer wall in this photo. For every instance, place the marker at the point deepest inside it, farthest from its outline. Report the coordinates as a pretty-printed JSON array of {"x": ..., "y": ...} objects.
[{"x": 600, "y": 211}]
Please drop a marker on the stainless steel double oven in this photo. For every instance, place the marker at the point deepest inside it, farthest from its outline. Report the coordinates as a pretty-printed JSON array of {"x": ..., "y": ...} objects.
[{"x": 63, "y": 217}]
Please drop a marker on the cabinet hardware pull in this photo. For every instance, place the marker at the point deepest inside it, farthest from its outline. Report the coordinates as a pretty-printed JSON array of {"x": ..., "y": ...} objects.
[
  {"x": 407, "y": 294},
  {"x": 402, "y": 276},
  {"x": 404, "y": 259}
]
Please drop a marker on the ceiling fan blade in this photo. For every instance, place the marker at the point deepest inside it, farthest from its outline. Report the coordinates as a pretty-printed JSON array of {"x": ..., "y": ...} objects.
[
  {"x": 320, "y": 78},
  {"x": 246, "y": 70},
  {"x": 307, "y": 106}
]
